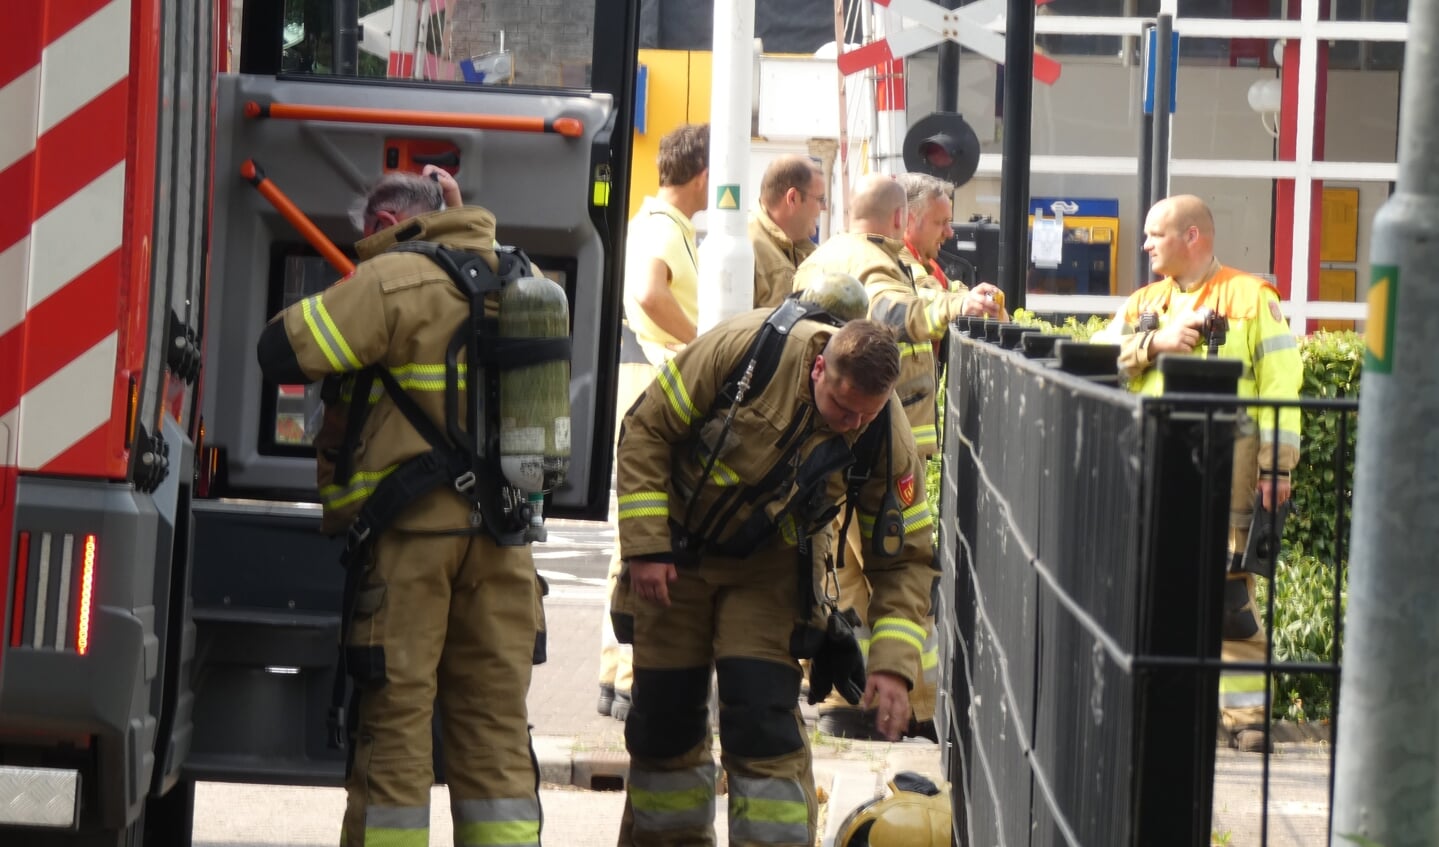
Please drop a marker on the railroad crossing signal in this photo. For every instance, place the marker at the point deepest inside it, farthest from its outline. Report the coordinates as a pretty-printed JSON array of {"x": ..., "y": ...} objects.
[{"x": 967, "y": 26}]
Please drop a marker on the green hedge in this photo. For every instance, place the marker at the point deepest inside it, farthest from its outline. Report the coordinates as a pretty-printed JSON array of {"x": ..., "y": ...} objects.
[{"x": 1304, "y": 603}]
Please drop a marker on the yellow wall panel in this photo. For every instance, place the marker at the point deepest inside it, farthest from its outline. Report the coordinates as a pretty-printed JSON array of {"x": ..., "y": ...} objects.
[{"x": 678, "y": 93}]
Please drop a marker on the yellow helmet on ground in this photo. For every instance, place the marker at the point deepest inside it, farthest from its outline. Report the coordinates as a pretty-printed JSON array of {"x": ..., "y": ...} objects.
[
  {"x": 915, "y": 814},
  {"x": 838, "y": 293}
]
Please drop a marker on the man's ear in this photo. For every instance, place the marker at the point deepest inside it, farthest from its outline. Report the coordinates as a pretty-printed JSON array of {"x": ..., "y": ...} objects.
[{"x": 818, "y": 370}]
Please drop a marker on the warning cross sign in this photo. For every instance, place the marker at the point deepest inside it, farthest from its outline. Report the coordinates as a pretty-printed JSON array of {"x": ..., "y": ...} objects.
[{"x": 968, "y": 26}]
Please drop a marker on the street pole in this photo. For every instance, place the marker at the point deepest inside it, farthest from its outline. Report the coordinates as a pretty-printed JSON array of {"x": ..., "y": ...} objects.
[
  {"x": 1388, "y": 743},
  {"x": 726, "y": 258},
  {"x": 1014, "y": 171},
  {"x": 1163, "y": 79},
  {"x": 1142, "y": 272}
]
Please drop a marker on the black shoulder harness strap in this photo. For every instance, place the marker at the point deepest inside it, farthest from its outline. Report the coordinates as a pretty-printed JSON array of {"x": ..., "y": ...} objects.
[
  {"x": 456, "y": 457},
  {"x": 749, "y": 378},
  {"x": 757, "y": 366}
]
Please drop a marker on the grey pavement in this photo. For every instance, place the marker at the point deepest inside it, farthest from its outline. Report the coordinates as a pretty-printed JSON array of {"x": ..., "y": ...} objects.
[{"x": 575, "y": 744}]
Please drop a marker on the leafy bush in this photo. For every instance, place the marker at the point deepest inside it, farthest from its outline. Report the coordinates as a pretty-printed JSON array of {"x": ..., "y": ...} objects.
[
  {"x": 1323, "y": 490},
  {"x": 1332, "y": 362},
  {"x": 1304, "y": 618},
  {"x": 1071, "y": 325}
]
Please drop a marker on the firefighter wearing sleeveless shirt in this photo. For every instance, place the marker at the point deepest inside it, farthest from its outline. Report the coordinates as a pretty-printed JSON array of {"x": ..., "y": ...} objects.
[
  {"x": 1164, "y": 317},
  {"x": 443, "y": 614},
  {"x": 690, "y": 609}
]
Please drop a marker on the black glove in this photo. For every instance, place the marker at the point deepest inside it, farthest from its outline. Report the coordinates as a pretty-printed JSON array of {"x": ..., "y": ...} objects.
[{"x": 839, "y": 664}]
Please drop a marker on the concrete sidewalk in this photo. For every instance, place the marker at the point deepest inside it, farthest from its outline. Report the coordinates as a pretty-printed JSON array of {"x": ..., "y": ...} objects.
[{"x": 585, "y": 782}]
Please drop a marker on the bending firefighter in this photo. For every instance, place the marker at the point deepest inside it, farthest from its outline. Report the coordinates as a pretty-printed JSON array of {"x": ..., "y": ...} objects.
[
  {"x": 438, "y": 507},
  {"x": 873, "y": 250},
  {"x": 1204, "y": 308},
  {"x": 732, "y": 467}
]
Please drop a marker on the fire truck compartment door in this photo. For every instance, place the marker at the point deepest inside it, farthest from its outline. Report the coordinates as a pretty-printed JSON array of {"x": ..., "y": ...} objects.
[{"x": 537, "y": 184}]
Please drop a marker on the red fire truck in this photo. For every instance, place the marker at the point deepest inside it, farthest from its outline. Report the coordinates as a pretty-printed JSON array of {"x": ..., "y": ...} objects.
[{"x": 169, "y": 608}]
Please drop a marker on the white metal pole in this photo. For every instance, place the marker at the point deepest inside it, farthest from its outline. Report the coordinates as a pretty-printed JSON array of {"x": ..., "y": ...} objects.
[
  {"x": 889, "y": 102},
  {"x": 726, "y": 257}
]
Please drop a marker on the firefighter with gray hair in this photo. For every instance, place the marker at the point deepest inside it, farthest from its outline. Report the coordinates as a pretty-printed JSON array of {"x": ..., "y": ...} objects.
[{"x": 441, "y": 595}]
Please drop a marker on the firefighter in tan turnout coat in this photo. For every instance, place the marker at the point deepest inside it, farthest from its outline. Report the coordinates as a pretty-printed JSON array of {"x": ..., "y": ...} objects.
[
  {"x": 719, "y": 502},
  {"x": 873, "y": 251},
  {"x": 442, "y": 614}
]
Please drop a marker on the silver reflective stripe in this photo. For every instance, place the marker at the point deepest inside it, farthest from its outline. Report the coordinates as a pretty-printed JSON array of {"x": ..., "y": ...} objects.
[
  {"x": 666, "y": 800},
  {"x": 768, "y": 811},
  {"x": 42, "y": 591},
  {"x": 67, "y": 550},
  {"x": 499, "y": 822},
  {"x": 503, "y": 809},
  {"x": 39, "y": 797},
  {"x": 397, "y": 817},
  {"x": 1241, "y": 699}
]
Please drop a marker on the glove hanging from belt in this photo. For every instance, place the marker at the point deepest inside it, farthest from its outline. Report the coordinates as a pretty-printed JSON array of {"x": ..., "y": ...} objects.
[{"x": 839, "y": 664}]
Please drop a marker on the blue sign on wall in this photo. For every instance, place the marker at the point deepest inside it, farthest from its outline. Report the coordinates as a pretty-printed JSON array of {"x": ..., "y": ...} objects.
[{"x": 1097, "y": 207}]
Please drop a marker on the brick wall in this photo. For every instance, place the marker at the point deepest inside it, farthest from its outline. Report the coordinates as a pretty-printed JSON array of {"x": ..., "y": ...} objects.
[{"x": 551, "y": 39}]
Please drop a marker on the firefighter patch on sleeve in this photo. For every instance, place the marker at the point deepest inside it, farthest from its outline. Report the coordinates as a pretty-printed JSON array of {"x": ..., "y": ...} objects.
[
  {"x": 905, "y": 487},
  {"x": 1274, "y": 310}
]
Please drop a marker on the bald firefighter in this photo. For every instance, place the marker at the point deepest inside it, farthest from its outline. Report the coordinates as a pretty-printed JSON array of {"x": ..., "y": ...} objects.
[
  {"x": 873, "y": 250},
  {"x": 731, "y": 469},
  {"x": 1180, "y": 314},
  {"x": 441, "y": 592}
]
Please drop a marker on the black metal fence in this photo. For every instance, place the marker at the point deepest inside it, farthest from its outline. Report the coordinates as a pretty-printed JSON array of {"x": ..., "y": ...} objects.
[{"x": 1083, "y": 536}]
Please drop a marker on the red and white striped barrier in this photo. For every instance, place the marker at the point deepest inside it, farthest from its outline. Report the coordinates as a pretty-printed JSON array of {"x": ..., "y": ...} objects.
[{"x": 967, "y": 26}]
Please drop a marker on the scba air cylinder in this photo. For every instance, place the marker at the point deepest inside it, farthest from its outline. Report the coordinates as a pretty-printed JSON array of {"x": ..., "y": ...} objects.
[{"x": 535, "y": 398}]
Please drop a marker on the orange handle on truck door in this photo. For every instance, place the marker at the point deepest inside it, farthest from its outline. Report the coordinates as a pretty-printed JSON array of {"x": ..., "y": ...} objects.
[
  {"x": 302, "y": 224},
  {"x": 568, "y": 127}
]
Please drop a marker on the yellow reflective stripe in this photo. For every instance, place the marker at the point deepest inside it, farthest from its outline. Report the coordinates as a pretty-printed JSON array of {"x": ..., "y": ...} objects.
[
  {"x": 673, "y": 386},
  {"x": 360, "y": 486},
  {"x": 925, "y": 435},
  {"x": 380, "y": 837},
  {"x": 423, "y": 377},
  {"x": 489, "y": 833},
  {"x": 1241, "y": 682},
  {"x": 931, "y": 317},
  {"x": 774, "y": 811},
  {"x": 788, "y": 531},
  {"x": 911, "y": 349},
  {"x": 669, "y": 802},
  {"x": 918, "y": 516},
  {"x": 724, "y": 475},
  {"x": 644, "y": 504},
  {"x": 332, "y": 343},
  {"x": 899, "y": 629}
]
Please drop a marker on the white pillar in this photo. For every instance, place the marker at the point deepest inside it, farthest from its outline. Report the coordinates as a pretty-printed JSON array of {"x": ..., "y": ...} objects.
[
  {"x": 726, "y": 256},
  {"x": 889, "y": 102}
]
